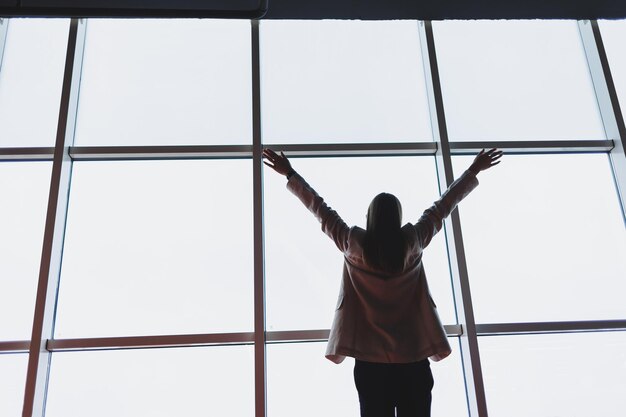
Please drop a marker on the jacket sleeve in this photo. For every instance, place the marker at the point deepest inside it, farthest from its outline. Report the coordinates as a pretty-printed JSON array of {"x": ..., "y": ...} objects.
[
  {"x": 432, "y": 220},
  {"x": 332, "y": 224}
]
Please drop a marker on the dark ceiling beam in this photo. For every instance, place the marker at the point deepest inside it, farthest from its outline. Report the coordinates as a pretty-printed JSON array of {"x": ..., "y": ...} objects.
[
  {"x": 447, "y": 9},
  {"x": 219, "y": 9},
  {"x": 321, "y": 9}
]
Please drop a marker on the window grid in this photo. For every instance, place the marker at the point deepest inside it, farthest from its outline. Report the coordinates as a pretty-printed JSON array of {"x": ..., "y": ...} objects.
[{"x": 41, "y": 343}]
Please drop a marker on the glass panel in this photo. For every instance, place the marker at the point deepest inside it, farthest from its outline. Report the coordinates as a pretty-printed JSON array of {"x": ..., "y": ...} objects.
[
  {"x": 343, "y": 81},
  {"x": 24, "y": 193},
  {"x": 298, "y": 376},
  {"x": 216, "y": 381},
  {"x": 545, "y": 231},
  {"x": 12, "y": 380},
  {"x": 166, "y": 82},
  {"x": 157, "y": 247},
  {"x": 303, "y": 266},
  {"x": 574, "y": 375},
  {"x": 516, "y": 80},
  {"x": 613, "y": 36},
  {"x": 31, "y": 78},
  {"x": 449, "y": 397}
]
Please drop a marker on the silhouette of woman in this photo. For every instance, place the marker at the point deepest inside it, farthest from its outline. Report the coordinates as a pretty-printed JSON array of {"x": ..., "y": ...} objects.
[{"x": 385, "y": 317}]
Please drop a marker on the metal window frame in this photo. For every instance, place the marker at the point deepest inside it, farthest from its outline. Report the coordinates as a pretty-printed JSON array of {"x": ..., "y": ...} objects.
[
  {"x": 182, "y": 340},
  {"x": 43, "y": 322},
  {"x": 63, "y": 154},
  {"x": 4, "y": 30},
  {"x": 470, "y": 356},
  {"x": 294, "y": 336},
  {"x": 260, "y": 364},
  {"x": 608, "y": 103},
  {"x": 381, "y": 149},
  {"x": 561, "y": 327},
  {"x": 15, "y": 346},
  {"x": 27, "y": 154}
]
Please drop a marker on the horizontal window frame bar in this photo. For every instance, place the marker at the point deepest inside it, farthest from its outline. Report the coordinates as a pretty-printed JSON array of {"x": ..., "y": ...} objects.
[
  {"x": 93, "y": 153},
  {"x": 532, "y": 147},
  {"x": 355, "y": 149},
  {"x": 143, "y": 342},
  {"x": 15, "y": 346},
  {"x": 132, "y": 153},
  {"x": 27, "y": 154},
  {"x": 117, "y": 153},
  {"x": 296, "y": 336},
  {"x": 293, "y": 336},
  {"x": 500, "y": 329}
]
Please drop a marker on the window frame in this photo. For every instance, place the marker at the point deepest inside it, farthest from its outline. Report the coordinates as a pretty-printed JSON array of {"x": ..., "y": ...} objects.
[{"x": 42, "y": 344}]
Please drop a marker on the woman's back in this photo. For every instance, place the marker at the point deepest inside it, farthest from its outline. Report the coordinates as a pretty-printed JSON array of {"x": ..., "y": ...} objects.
[{"x": 384, "y": 316}]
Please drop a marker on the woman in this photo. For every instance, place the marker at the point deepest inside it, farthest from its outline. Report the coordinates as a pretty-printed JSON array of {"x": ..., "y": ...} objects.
[{"x": 385, "y": 317}]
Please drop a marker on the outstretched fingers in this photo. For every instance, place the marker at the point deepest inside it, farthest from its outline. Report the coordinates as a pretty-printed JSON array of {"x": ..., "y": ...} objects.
[
  {"x": 279, "y": 163},
  {"x": 269, "y": 158},
  {"x": 486, "y": 159},
  {"x": 494, "y": 157},
  {"x": 269, "y": 154},
  {"x": 494, "y": 154}
]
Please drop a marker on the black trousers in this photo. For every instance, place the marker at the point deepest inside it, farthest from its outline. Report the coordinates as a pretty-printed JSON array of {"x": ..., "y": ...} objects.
[{"x": 385, "y": 388}]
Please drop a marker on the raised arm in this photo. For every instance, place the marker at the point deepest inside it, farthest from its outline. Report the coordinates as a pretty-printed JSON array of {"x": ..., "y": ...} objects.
[
  {"x": 432, "y": 220},
  {"x": 331, "y": 222}
]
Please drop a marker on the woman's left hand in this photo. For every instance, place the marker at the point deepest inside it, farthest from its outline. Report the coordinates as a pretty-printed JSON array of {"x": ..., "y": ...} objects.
[{"x": 279, "y": 163}]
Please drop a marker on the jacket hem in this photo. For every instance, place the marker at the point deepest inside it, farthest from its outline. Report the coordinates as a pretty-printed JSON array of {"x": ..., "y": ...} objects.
[{"x": 434, "y": 353}]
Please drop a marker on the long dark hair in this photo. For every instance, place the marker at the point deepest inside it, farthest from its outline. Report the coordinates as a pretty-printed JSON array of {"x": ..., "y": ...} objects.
[{"x": 384, "y": 247}]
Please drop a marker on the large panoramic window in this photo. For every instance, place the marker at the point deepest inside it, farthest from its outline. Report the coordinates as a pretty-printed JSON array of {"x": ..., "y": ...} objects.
[
  {"x": 613, "y": 35},
  {"x": 12, "y": 378},
  {"x": 595, "y": 361},
  {"x": 545, "y": 231},
  {"x": 342, "y": 81},
  {"x": 155, "y": 382},
  {"x": 23, "y": 192},
  {"x": 157, "y": 248},
  {"x": 165, "y": 82},
  {"x": 165, "y": 271},
  {"x": 30, "y": 81},
  {"x": 299, "y": 374},
  {"x": 523, "y": 80}
]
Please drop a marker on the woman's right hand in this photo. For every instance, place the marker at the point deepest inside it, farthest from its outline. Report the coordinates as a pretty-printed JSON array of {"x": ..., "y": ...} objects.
[
  {"x": 485, "y": 160},
  {"x": 278, "y": 163}
]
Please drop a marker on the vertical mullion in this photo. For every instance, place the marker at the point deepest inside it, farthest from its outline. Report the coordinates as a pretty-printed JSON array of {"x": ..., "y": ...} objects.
[
  {"x": 50, "y": 267},
  {"x": 608, "y": 103},
  {"x": 4, "y": 28},
  {"x": 259, "y": 263},
  {"x": 474, "y": 386}
]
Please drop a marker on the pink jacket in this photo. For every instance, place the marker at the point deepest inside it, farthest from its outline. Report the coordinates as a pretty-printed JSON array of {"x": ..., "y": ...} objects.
[{"x": 381, "y": 317}]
